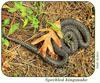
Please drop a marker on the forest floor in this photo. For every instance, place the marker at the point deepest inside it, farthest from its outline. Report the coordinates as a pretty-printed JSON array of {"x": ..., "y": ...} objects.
[{"x": 22, "y": 62}]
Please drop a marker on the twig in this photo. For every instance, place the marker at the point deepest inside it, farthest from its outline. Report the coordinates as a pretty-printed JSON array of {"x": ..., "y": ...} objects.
[
  {"x": 12, "y": 20},
  {"x": 28, "y": 66},
  {"x": 84, "y": 68}
]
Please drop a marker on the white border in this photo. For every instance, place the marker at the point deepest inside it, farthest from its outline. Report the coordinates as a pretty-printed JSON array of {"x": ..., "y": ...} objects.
[{"x": 92, "y": 79}]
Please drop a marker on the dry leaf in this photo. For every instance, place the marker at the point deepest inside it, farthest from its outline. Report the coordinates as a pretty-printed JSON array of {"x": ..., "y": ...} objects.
[{"x": 47, "y": 40}]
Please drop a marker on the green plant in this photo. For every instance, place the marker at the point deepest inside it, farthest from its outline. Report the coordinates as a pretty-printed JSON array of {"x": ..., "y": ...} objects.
[
  {"x": 54, "y": 26},
  {"x": 35, "y": 22},
  {"x": 6, "y": 22},
  {"x": 28, "y": 15},
  {"x": 5, "y": 42},
  {"x": 13, "y": 28}
]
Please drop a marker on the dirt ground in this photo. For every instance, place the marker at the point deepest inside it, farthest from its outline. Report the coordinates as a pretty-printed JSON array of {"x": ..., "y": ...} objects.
[{"x": 22, "y": 62}]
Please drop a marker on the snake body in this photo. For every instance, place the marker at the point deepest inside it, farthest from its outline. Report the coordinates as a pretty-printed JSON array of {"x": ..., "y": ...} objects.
[
  {"x": 70, "y": 27},
  {"x": 79, "y": 35}
]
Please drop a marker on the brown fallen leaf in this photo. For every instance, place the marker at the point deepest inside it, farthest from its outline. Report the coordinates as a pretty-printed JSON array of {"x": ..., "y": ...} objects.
[{"x": 47, "y": 45}]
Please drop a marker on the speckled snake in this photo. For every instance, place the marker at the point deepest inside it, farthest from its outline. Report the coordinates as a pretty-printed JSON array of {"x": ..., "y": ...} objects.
[{"x": 76, "y": 35}]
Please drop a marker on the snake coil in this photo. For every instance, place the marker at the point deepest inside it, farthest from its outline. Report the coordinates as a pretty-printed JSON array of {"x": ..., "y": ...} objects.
[{"x": 76, "y": 34}]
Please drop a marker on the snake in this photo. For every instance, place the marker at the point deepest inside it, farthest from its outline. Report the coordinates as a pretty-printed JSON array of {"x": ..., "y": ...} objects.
[{"x": 76, "y": 35}]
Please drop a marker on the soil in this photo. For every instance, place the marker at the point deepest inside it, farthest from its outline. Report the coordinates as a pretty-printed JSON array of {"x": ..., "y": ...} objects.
[{"x": 22, "y": 62}]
